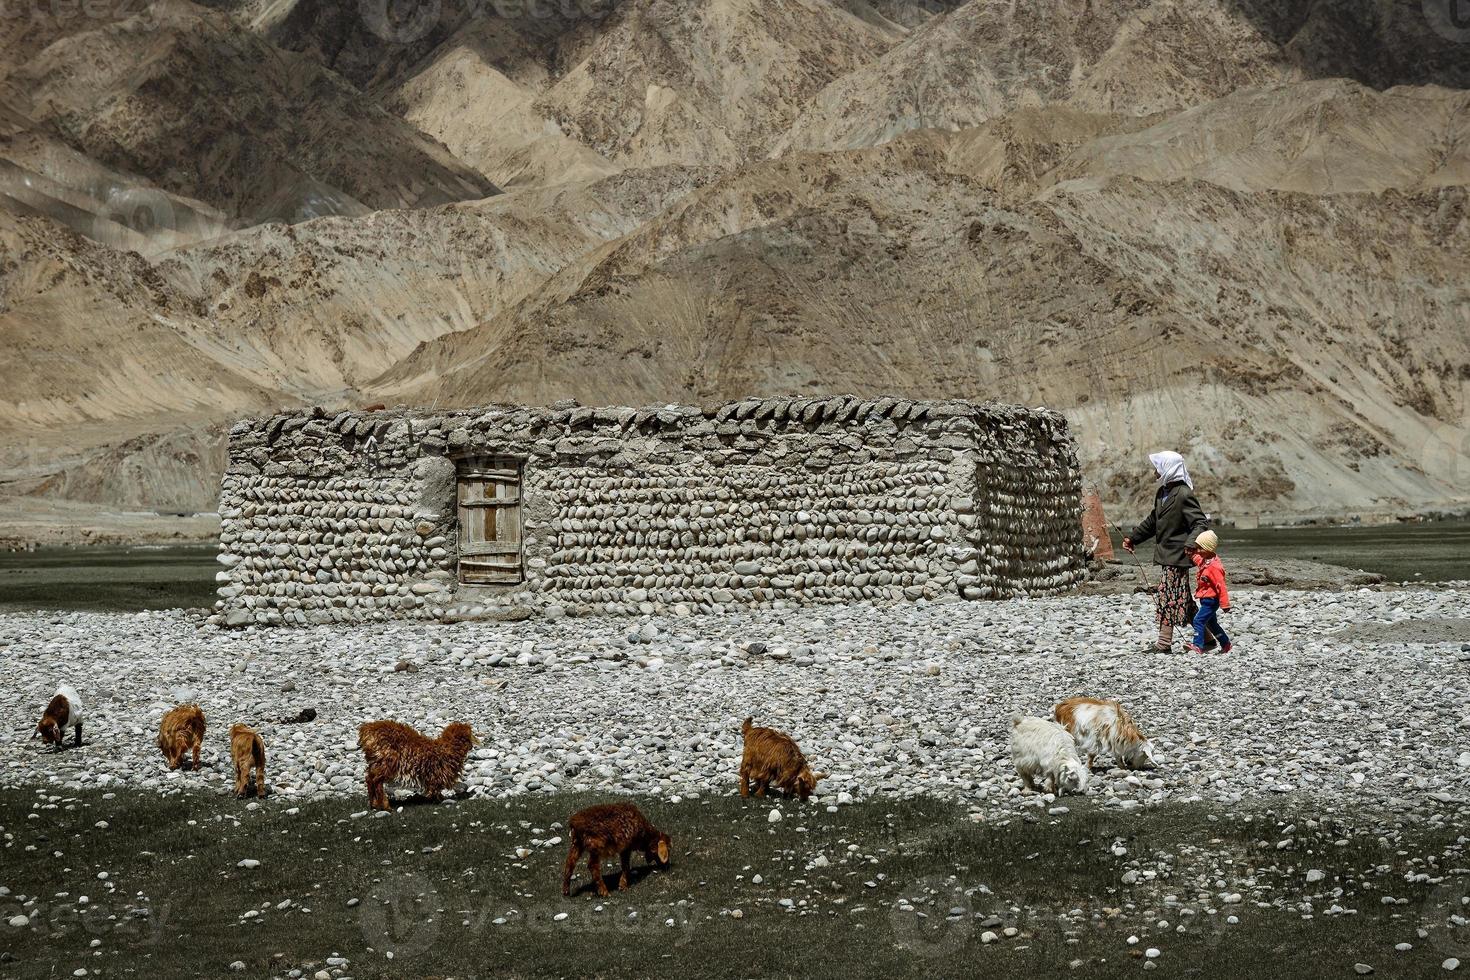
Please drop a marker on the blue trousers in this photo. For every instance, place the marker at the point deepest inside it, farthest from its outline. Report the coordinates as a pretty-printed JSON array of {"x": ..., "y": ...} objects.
[{"x": 1208, "y": 618}]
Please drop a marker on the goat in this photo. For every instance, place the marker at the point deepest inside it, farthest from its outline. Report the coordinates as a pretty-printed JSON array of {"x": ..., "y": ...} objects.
[
  {"x": 62, "y": 712},
  {"x": 248, "y": 752},
  {"x": 181, "y": 731},
  {"x": 772, "y": 757},
  {"x": 396, "y": 753},
  {"x": 1044, "y": 753},
  {"x": 607, "y": 829}
]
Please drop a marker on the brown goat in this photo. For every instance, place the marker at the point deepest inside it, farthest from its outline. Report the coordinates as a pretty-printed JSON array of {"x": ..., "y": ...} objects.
[
  {"x": 248, "y": 752},
  {"x": 396, "y": 753},
  {"x": 181, "y": 730},
  {"x": 607, "y": 829},
  {"x": 772, "y": 758}
]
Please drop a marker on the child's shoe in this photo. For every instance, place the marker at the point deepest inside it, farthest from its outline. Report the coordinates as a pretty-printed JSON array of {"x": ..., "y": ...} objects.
[
  {"x": 1226, "y": 647},
  {"x": 1194, "y": 649}
]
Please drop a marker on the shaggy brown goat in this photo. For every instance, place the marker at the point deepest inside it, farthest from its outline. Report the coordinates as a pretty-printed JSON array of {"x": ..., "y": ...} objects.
[
  {"x": 607, "y": 829},
  {"x": 396, "y": 753},
  {"x": 181, "y": 730},
  {"x": 248, "y": 752},
  {"x": 772, "y": 758},
  {"x": 64, "y": 711}
]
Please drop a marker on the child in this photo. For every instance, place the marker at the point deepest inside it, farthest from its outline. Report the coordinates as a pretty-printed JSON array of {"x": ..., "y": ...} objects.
[{"x": 1209, "y": 591}]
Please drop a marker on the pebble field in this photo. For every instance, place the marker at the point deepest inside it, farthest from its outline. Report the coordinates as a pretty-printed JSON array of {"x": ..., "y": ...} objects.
[{"x": 1358, "y": 697}]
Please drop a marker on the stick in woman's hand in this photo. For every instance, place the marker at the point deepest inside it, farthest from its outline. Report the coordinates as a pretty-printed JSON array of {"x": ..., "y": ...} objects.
[{"x": 1128, "y": 546}]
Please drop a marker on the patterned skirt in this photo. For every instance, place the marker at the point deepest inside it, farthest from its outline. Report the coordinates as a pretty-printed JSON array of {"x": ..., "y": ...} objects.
[{"x": 1174, "y": 604}]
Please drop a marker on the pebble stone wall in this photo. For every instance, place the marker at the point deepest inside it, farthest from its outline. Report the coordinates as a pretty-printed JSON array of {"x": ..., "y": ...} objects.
[{"x": 351, "y": 516}]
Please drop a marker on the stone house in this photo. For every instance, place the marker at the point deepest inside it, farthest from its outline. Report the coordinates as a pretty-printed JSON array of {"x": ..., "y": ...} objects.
[{"x": 353, "y": 516}]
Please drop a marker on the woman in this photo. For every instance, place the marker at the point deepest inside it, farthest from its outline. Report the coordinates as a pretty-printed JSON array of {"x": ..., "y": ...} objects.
[{"x": 1176, "y": 519}]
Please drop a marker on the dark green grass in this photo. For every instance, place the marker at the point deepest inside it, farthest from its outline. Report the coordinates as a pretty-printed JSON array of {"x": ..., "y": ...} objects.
[
  {"x": 1417, "y": 553},
  {"x": 431, "y": 881},
  {"x": 108, "y": 579}
]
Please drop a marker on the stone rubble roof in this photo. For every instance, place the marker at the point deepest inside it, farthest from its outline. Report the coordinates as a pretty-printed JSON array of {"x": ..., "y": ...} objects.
[{"x": 843, "y": 409}]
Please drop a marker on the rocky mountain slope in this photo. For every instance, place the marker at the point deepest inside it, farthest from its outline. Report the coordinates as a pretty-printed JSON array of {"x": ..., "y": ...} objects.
[
  {"x": 1324, "y": 138},
  {"x": 1136, "y": 304},
  {"x": 1231, "y": 227},
  {"x": 1133, "y": 57},
  {"x": 191, "y": 105}
]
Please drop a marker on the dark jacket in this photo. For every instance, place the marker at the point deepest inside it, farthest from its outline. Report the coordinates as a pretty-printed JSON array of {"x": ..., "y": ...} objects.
[{"x": 1177, "y": 517}]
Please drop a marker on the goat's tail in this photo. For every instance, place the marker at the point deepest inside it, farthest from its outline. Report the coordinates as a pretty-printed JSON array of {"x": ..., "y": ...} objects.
[{"x": 748, "y": 724}]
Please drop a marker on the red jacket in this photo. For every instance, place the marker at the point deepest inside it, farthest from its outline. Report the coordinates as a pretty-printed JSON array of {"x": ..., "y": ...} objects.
[{"x": 1211, "y": 581}]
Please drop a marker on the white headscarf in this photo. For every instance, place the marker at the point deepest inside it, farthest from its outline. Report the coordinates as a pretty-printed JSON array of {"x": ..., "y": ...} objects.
[{"x": 1171, "y": 469}]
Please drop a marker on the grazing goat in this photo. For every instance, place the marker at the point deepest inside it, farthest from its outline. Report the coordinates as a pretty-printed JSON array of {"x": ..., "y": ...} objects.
[
  {"x": 772, "y": 758},
  {"x": 1042, "y": 750},
  {"x": 62, "y": 712},
  {"x": 181, "y": 731},
  {"x": 607, "y": 829},
  {"x": 248, "y": 752},
  {"x": 1103, "y": 725},
  {"x": 396, "y": 753}
]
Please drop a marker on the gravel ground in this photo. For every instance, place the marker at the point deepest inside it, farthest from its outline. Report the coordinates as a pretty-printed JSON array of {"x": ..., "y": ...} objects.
[{"x": 896, "y": 700}]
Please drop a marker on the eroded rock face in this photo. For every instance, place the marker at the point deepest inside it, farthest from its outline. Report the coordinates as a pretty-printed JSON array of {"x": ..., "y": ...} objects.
[{"x": 354, "y": 517}]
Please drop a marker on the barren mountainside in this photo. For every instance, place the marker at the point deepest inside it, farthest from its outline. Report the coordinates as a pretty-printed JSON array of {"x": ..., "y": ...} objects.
[{"x": 1231, "y": 227}]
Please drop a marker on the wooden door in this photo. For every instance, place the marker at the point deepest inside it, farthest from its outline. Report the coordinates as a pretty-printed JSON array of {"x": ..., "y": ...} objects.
[{"x": 490, "y": 521}]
